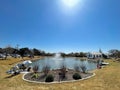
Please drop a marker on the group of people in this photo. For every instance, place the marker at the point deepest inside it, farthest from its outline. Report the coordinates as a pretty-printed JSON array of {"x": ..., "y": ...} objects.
[{"x": 18, "y": 68}]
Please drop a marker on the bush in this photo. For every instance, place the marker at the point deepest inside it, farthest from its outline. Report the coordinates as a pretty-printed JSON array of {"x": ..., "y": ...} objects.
[
  {"x": 35, "y": 75},
  {"x": 49, "y": 78},
  {"x": 35, "y": 68},
  {"x": 76, "y": 67},
  {"x": 46, "y": 69},
  {"x": 76, "y": 76},
  {"x": 83, "y": 68},
  {"x": 63, "y": 70}
]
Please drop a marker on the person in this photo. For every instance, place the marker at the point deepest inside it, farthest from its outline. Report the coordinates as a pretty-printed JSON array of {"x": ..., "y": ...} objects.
[
  {"x": 29, "y": 68},
  {"x": 98, "y": 66},
  {"x": 15, "y": 70},
  {"x": 23, "y": 67}
]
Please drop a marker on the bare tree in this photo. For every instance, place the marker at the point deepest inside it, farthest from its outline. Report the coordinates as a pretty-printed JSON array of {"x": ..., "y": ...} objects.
[
  {"x": 63, "y": 71},
  {"x": 35, "y": 68},
  {"x": 83, "y": 68},
  {"x": 35, "y": 71},
  {"x": 114, "y": 53},
  {"x": 46, "y": 69},
  {"x": 77, "y": 68}
]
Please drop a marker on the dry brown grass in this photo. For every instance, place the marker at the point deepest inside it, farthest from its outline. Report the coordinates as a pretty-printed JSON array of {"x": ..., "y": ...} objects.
[{"x": 107, "y": 78}]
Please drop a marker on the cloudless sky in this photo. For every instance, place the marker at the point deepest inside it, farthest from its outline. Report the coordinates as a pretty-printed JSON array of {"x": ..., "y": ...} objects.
[{"x": 51, "y": 26}]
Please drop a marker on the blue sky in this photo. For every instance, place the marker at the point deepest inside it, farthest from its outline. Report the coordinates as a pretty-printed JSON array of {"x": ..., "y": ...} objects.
[{"x": 51, "y": 26}]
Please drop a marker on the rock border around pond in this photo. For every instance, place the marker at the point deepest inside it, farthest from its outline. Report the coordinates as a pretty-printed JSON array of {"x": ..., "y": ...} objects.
[{"x": 55, "y": 82}]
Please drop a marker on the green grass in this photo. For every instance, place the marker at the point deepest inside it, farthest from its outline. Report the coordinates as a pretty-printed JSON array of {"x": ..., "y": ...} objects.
[{"x": 107, "y": 78}]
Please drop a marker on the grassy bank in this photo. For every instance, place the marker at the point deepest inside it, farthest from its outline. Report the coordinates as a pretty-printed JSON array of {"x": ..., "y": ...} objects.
[{"x": 107, "y": 78}]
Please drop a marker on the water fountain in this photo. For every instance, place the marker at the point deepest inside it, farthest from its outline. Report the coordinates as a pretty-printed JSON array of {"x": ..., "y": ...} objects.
[
  {"x": 59, "y": 67},
  {"x": 57, "y": 56},
  {"x": 57, "y": 60}
]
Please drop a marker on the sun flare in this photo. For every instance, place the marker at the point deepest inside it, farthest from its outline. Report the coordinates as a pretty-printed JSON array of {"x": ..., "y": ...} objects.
[{"x": 70, "y": 3}]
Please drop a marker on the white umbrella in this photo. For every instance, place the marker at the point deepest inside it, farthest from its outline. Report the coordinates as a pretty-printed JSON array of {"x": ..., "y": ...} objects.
[{"x": 27, "y": 62}]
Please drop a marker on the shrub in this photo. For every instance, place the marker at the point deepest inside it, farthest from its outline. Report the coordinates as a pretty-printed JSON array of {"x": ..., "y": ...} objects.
[
  {"x": 35, "y": 75},
  {"x": 63, "y": 70},
  {"x": 76, "y": 67},
  {"x": 46, "y": 69},
  {"x": 49, "y": 78},
  {"x": 35, "y": 68},
  {"x": 76, "y": 76},
  {"x": 83, "y": 68}
]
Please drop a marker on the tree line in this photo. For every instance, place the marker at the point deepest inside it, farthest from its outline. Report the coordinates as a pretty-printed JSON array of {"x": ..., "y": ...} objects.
[
  {"x": 76, "y": 54},
  {"x": 23, "y": 52},
  {"x": 113, "y": 53}
]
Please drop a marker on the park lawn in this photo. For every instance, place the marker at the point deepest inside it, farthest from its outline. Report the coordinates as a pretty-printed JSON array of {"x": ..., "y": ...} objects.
[{"x": 107, "y": 78}]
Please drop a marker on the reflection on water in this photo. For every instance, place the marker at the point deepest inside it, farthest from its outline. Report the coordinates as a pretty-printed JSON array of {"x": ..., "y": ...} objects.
[{"x": 69, "y": 62}]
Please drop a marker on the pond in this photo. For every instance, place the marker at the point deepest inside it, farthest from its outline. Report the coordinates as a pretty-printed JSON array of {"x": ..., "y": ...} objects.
[{"x": 70, "y": 62}]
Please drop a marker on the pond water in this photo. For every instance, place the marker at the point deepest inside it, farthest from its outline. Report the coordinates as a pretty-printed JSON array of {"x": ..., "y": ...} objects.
[{"x": 55, "y": 63}]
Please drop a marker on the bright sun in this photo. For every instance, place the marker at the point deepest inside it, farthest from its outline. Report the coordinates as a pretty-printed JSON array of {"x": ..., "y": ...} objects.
[{"x": 70, "y": 3}]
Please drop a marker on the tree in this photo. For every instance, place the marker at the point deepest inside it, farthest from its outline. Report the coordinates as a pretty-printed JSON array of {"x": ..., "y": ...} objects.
[
  {"x": 46, "y": 69},
  {"x": 16, "y": 51},
  {"x": 77, "y": 68},
  {"x": 83, "y": 68},
  {"x": 82, "y": 54},
  {"x": 35, "y": 71},
  {"x": 114, "y": 53},
  {"x": 104, "y": 56},
  {"x": 25, "y": 52},
  {"x": 63, "y": 54},
  {"x": 100, "y": 50},
  {"x": 63, "y": 71},
  {"x": 76, "y": 54},
  {"x": 9, "y": 50},
  {"x": 36, "y": 52},
  {"x": 42, "y": 53},
  {"x": 49, "y": 54},
  {"x": 1, "y": 50}
]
